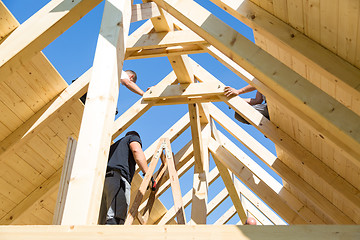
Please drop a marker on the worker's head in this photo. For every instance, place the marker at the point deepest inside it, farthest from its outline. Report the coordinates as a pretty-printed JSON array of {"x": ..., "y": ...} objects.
[
  {"x": 250, "y": 221},
  {"x": 132, "y": 75},
  {"x": 132, "y": 133}
]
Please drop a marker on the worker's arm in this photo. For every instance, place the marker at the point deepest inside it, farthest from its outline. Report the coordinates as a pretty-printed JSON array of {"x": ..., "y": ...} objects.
[
  {"x": 257, "y": 100},
  {"x": 232, "y": 92},
  {"x": 139, "y": 156},
  {"x": 132, "y": 86}
]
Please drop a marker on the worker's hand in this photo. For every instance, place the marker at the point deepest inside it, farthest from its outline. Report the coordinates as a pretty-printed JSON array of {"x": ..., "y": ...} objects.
[
  {"x": 230, "y": 92},
  {"x": 152, "y": 184}
]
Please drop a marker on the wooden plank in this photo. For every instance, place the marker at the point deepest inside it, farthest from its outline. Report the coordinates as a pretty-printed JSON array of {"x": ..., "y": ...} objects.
[
  {"x": 144, "y": 11},
  {"x": 86, "y": 185},
  {"x": 271, "y": 196},
  {"x": 308, "y": 160},
  {"x": 182, "y": 68},
  {"x": 299, "y": 45},
  {"x": 175, "y": 185},
  {"x": 55, "y": 18},
  {"x": 319, "y": 201},
  {"x": 64, "y": 180},
  {"x": 227, "y": 179},
  {"x": 199, "y": 132},
  {"x": 226, "y": 216},
  {"x": 138, "y": 109},
  {"x": 335, "y": 141},
  {"x": 187, "y": 199},
  {"x": 201, "y": 232},
  {"x": 192, "y": 90},
  {"x": 7, "y": 22},
  {"x": 163, "y": 40},
  {"x": 40, "y": 193},
  {"x": 42, "y": 118},
  {"x": 217, "y": 200},
  {"x": 166, "y": 52},
  {"x": 319, "y": 107},
  {"x": 133, "y": 212}
]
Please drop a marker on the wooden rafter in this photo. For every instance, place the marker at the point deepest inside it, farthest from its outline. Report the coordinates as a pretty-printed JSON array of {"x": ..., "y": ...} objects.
[
  {"x": 57, "y": 14},
  {"x": 304, "y": 96}
]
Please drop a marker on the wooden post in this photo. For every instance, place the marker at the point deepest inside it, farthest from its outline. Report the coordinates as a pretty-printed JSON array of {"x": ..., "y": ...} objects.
[
  {"x": 87, "y": 178},
  {"x": 64, "y": 181}
]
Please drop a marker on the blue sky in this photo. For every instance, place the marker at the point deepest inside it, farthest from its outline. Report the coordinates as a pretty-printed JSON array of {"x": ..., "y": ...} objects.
[{"x": 73, "y": 53}]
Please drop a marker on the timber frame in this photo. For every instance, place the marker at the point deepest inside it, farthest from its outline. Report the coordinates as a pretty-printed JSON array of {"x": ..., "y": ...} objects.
[{"x": 305, "y": 60}]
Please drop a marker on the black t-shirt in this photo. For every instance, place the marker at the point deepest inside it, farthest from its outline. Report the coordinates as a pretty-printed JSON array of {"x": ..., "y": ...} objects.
[{"x": 121, "y": 157}]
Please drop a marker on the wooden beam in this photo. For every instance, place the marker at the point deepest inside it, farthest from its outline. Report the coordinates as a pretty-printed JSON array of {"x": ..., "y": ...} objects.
[
  {"x": 175, "y": 184},
  {"x": 43, "y": 191},
  {"x": 200, "y": 232},
  {"x": 303, "y": 95},
  {"x": 86, "y": 184},
  {"x": 227, "y": 179},
  {"x": 31, "y": 37},
  {"x": 192, "y": 90},
  {"x": 334, "y": 140},
  {"x": 64, "y": 181},
  {"x": 200, "y": 133},
  {"x": 276, "y": 198},
  {"x": 163, "y": 40},
  {"x": 144, "y": 11},
  {"x": 166, "y": 52},
  {"x": 299, "y": 153},
  {"x": 214, "y": 174},
  {"x": 196, "y": 136},
  {"x": 217, "y": 200},
  {"x": 258, "y": 203},
  {"x": 138, "y": 109},
  {"x": 296, "y": 43},
  {"x": 188, "y": 100},
  {"x": 182, "y": 68},
  {"x": 309, "y": 193},
  {"x": 226, "y": 216},
  {"x": 295, "y": 150},
  {"x": 44, "y": 116}
]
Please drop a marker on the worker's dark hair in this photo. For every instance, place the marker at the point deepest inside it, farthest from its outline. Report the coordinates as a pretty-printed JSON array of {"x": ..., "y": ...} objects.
[
  {"x": 133, "y": 73},
  {"x": 132, "y": 133}
]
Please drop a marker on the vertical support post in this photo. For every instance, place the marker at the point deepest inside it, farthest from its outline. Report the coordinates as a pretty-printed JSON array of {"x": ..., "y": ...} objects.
[
  {"x": 64, "y": 181},
  {"x": 87, "y": 178},
  {"x": 200, "y": 184},
  {"x": 175, "y": 184}
]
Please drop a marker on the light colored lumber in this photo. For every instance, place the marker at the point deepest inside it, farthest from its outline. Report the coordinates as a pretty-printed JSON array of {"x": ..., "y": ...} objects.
[
  {"x": 200, "y": 133},
  {"x": 7, "y": 22},
  {"x": 227, "y": 178},
  {"x": 187, "y": 100},
  {"x": 295, "y": 150},
  {"x": 133, "y": 211},
  {"x": 182, "y": 68},
  {"x": 165, "y": 52},
  {"x": 144, "y": 11},
  {"x": 138, "y": 109},
  {"x": 271, "y": 196},
  {"x": 41, "y": 192},
  {"x": 217, "y": 200},
  {"x": 86, "y": 184},
  {"x": 200, "y": 232},
  {"x": 43, "y": 117},
  {"x": 64, "y": 180},
  {"x": 30, "y": 38},
  {"x": 226, "y": 216},
  {"x": 175, "y": 184},
  {"x": 187, "y": 198},
  {"x": 192, "y": 90},
  {"x": 323, "y": 204},
  {"x": 296, "y": 43},
  {"x": 304, "y": 96},
  {"x": 163, "y": 40}
]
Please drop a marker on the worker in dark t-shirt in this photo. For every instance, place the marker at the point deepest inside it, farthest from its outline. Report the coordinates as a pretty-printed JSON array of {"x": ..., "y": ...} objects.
[{"x": 123, "y": 156}]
